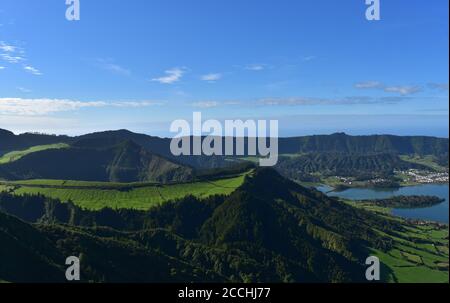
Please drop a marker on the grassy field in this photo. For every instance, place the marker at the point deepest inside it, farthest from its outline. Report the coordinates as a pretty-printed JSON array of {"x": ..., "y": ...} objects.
[
  {"x": 76, "y": 184},
  {"x": 98, "y": 195},
  {"x": 420, "y": 255},
  {"x": 368, "y": 206},
  {"x": 16, "y": 155},
  {"x": 428, "y": 161}
]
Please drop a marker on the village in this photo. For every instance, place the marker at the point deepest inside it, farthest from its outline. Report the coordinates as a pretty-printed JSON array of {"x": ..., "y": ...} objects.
[
  {"x": 423, "y": 176},
  {"x": 409, "y": 177}
]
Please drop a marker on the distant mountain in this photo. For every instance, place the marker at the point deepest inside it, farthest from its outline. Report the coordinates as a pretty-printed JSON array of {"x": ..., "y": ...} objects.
[
  {"x": 343, "y": 164},
  {"x": 11, "y": 142},
  {"x": 338, "y": 142},
  {"x": 124, "y": 162},
  {"x": 269, "y": 230},
  {"x": 343, "y": 143},
  {"x": 98, "y": 156},
  {"x": 156, "y": 145}
]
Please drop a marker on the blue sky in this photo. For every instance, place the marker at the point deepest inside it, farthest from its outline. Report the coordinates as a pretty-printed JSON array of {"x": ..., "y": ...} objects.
[{"x": 316, "y": 65}]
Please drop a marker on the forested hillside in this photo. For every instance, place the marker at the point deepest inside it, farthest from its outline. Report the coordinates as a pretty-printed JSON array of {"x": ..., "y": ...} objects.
[
  {"x": 343, "y": 164},
  {"x": 125, "y": 162},
  {"x": 261, "y": 233},
  {"x": 128, "y": 157},
  {"x": 338, "y": 143},
  {"x": 344, "y": 143}
]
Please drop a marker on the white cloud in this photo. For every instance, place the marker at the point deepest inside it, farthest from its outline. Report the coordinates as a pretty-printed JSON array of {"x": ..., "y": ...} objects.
[
  {"x": 206, "y": 104},
  {"x": 16, "y": 55},
  {"x": 2, "y": 67},
  {"x": 135, "y": 103},
  {"x": 7, "y": 48},
  {"x": 350, "y": 100},
  {"x": 32, "y": 70},
  {"x": 24, "y": 90},
  {"x": 294, "y": 101},
  {"x": 232, "y": 103},
  {"x": 439, "y": 86},
  {"x": 368, "y": 84},
  {"x": 112, "y": 67},
  {"x": 172, "y": 75},
  {"x": 12, "y": 59},
  {"x": 117, "y": 69},
  {"x": 34, "y": 107},
  {"x": 211, "y": 77},
  {"x": 308, "y": 58},
  {"x": 39, "y": 107},
  {"x": 255, "y": 67},
  {"x": 403, "y": 90}
]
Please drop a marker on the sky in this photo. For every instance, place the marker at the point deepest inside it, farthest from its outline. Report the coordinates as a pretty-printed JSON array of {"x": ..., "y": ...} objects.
[{"x": 318, "y": 66}]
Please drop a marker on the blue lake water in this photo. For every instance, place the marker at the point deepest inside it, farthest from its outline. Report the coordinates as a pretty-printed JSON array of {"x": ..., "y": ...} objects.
[{"x": 438, "y": 212}]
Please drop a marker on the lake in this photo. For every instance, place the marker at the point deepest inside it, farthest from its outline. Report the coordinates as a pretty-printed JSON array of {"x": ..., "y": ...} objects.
[{"x": 438, "y": 212}]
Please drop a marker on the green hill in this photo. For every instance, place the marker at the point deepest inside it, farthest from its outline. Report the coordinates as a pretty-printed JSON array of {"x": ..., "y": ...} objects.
[
  {"x": 343, "y": 164},
  {"x": 10, "y": 142},
  {"x": 37, "y": 254},
  {"x": 343, "y": 143},
  {"x": 16, "y": 155},
  {"x": 268, "y": 230},
  {"x": 335, "y": 143},
  {"x": 28, "y": 252},
  {"x": 125, "y": 162}
]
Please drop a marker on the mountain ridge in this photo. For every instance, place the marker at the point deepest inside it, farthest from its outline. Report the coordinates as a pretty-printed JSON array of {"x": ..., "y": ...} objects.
[
  {"x": 296, "y": 144},
  {"x": 124, "y": 162},
  {"x": 148, "y": 158}
]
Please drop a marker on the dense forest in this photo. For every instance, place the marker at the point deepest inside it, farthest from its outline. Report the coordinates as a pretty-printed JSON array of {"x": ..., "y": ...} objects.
[
  {"x": 358, "y": 165},
  {"x": 124, "y": 162},
  {"x": 269, "y": 229},
  {"x": 124, "y": 156},
  {"x": 406, "y": 201},
  {"x": 335, "y": 143},
  {"x": 343, "y": 143}
]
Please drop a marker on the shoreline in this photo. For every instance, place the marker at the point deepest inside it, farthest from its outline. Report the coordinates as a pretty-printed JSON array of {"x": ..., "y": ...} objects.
[{"x": 347, "y": 187}]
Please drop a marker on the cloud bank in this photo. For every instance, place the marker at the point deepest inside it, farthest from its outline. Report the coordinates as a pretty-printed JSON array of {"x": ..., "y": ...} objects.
[{"x": 42, "y": 107}]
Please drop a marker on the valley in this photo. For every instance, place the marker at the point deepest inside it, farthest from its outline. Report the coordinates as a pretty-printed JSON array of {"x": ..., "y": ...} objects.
[
  {"x": 258, "y": 233},
  {"x": 208, "y": 150},
  {"x": 422, "y": 259},
  {"x": 217, "y": 219}
]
